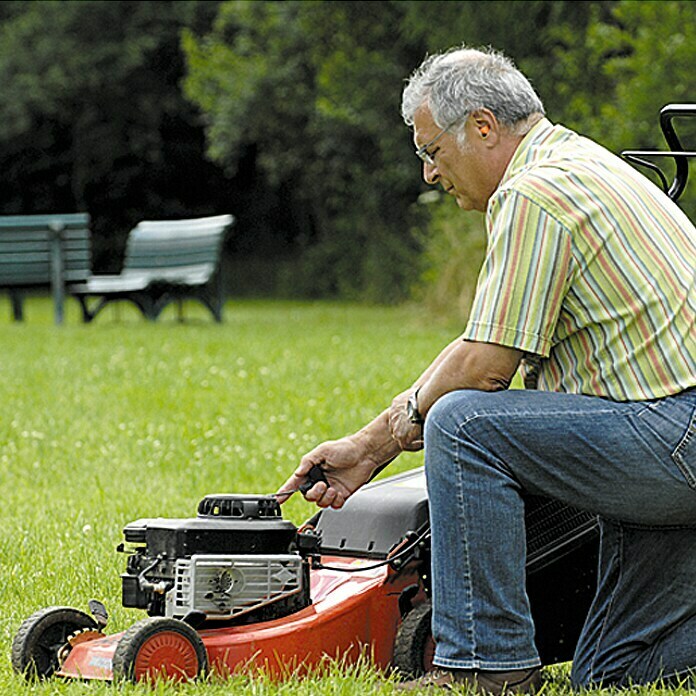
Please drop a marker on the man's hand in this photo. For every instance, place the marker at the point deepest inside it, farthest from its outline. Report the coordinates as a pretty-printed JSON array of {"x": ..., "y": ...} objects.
[
  {"x": 346, "y": 465},
  {"x": 409, "y": 435}
]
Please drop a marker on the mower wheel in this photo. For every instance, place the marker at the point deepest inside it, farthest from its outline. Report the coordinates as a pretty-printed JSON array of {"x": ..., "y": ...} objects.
[
  {"x": 414, "y": 647},
  {"x": 158, "y": 647},
  {"x": 42, "y": 640}
]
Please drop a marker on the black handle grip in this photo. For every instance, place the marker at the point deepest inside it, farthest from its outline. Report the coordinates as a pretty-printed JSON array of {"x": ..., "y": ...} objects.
[{"x": 315, "y": 475}]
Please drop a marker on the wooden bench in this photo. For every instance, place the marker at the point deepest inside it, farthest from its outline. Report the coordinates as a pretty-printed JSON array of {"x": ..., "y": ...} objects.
[
  {"x": 40, "y": 251},
  {"x": 165, "y": 261}
]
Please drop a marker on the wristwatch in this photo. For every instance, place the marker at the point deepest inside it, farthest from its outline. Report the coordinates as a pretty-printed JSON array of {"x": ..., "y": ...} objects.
[{"x": 412, "y": 411}]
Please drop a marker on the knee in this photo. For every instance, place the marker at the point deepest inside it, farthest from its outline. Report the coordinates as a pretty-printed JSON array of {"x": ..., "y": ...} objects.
[
  {"x": 451, "y": 411},
  {"x": 440, "y": 414}
]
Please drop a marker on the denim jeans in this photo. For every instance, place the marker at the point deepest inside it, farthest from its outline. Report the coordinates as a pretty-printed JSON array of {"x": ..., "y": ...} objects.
[{"x": 633, "y": 464}]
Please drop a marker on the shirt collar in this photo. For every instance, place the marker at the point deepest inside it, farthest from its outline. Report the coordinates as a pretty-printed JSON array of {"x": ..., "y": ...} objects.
[{"x": 530, "y": 150}]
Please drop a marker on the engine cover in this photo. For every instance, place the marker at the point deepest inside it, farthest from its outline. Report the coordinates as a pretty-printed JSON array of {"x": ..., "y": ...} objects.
[{"x": 235, "y": 561}]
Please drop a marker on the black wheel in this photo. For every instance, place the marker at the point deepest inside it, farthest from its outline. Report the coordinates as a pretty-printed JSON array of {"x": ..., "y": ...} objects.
[
  {"x": 43, "y": 636},
  {"x": 414, "y": 647},
  {"x": 158, "y": 647}
]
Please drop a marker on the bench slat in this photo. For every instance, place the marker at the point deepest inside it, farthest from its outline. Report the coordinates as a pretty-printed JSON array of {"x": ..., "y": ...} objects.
[
  {"x": 69, "y": 220},
  {"x": 168, "y": 245}
]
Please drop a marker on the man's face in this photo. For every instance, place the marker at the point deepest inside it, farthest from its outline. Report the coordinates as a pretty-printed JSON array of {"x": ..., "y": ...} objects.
[{"x": 461, "y": 171}]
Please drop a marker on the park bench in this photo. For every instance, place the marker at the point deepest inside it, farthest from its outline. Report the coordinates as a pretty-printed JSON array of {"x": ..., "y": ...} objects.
[
  {"x": 43, "y": 251},
  {"x": 165, "y": 261}
]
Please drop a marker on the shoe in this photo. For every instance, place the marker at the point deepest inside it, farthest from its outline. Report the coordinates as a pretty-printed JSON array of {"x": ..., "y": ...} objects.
[{"x": 497, "y": 683}]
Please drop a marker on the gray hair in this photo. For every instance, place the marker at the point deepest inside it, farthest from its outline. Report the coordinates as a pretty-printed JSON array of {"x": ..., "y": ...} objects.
[{"x": 462, "y": 80}]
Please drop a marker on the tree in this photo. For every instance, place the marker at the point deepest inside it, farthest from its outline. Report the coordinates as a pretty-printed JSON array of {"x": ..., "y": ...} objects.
[
  {"x": 315, "y": 91},
  {"x": 300, "y": 102},
  {"x": 620, "y": 68},
  {"x": 92, "y": 117},
  {"x": 603, "y": 68}
]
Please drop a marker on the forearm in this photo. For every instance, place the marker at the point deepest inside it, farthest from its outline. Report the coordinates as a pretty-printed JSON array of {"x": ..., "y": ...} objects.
[
  {"x": 435, "y": 364},
  {"x": 469, "y": 365},
  {"x": 376, "y": 440}
]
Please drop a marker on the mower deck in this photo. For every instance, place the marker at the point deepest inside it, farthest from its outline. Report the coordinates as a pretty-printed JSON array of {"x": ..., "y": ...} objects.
[{"x": 352, "y": 613}]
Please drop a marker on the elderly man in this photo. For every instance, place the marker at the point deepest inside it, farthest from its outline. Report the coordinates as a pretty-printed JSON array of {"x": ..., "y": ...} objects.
[{"x": 590, "y": 270}]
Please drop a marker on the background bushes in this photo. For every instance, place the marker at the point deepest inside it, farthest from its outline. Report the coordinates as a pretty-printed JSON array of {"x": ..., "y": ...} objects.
[{"x": 287, "y": 115}]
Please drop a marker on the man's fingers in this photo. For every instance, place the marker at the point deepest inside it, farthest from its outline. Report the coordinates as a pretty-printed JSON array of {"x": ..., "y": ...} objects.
[
  {"x": 330, "y": 497},
  {"x": 338, "y": 501},
  {"x": 316, "y": 491},
  {"x": 298, "y": 478},
  {"x": 286, "y": 490}
]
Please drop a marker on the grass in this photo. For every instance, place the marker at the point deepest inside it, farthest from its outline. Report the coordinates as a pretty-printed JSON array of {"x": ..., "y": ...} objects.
[{"x": 105, "y": 423}]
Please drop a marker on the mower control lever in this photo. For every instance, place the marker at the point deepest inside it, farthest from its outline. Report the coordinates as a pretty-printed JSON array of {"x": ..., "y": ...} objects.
[{"x": 316, "y": 475}]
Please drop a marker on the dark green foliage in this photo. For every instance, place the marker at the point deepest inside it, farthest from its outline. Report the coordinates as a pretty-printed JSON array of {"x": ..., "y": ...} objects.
[
  {"x": 92, "y": 117},
  {"x": 622, "y": 67},
  {"x": 300, "y": 103},
  {"x": 315, "y": 89}
]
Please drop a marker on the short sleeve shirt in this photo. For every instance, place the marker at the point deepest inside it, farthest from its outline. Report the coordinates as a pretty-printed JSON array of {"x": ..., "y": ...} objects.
[{"x": 590, "y": 266}]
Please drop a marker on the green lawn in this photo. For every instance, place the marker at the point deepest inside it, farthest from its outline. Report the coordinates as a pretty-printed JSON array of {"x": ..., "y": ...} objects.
[{"x": 105, "y": 423}]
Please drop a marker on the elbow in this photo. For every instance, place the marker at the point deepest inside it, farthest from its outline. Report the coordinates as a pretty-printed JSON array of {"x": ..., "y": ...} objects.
[
  {"x": 489, "y": 367},
  {"x": 495, "y": 383}
]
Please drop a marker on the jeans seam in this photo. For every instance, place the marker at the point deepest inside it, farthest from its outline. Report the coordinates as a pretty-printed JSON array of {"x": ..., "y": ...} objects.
[
  {"x": 600, "y": 638},
  {"x": 681, "y": 446},
  {"x": 529, "y": 414},
  {"x": 471, "y": 629}
]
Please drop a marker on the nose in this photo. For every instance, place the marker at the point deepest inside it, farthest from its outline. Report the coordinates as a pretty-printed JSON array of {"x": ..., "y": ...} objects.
[{"x": 430, "y": 173}]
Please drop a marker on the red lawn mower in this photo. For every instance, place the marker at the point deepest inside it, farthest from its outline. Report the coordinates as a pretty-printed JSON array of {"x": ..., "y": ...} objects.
[{"x": 238, "y": 587}]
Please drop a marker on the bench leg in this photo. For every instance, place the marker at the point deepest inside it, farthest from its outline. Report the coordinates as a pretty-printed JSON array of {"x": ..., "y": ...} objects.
[
  {"x": 17, "y": 308},
  {"x": 218, "y": 294},
  {"x": 214, "y": 304},
  {"x": 161, "y": 300},
  {"x": 147, "y": 306},
  {"x": 143, "y": 302},
  {"x": 87, "y": 315},
  {"x": 214, "y": 301},
  {"x": 215, "y": 307}
]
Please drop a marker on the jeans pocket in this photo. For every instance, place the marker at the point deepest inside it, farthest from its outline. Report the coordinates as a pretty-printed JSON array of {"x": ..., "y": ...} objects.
[{"x": 684, "y": 454}]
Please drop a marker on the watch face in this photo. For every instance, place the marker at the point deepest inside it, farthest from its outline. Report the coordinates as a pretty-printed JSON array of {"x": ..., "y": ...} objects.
[{"x": 412, "y": 410}]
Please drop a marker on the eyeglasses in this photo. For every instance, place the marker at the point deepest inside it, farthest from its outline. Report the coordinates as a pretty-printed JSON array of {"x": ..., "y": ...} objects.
[{"x": 422, "y": 151}]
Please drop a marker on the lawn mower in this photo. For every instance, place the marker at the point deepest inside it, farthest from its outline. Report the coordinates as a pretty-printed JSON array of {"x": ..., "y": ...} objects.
[{"x": 239, "y": 588}]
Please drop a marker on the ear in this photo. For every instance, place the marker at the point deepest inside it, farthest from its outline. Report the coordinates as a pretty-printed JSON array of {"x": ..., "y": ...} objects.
[{"x": 486, "y": 126}]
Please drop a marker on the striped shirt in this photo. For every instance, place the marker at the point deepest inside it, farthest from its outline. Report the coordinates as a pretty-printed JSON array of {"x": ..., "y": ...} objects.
[{"x": 590, "y": 266}]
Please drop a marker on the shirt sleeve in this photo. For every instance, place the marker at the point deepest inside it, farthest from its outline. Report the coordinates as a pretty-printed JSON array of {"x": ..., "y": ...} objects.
[{"x": 524, "y": 277}]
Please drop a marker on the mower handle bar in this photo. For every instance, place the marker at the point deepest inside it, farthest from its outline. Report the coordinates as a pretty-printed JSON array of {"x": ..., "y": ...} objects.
[{"x": 681, "y": 156}]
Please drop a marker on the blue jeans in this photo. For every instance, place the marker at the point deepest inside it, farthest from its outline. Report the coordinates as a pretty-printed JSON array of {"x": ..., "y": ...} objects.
[{"x": 633, "y": 464}]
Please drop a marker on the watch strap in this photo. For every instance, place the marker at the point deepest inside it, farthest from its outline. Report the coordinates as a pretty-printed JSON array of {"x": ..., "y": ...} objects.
[{"x": 414, "y": 415}]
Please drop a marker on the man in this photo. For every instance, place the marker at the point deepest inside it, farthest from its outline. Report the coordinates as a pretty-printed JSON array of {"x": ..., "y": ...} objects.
[{"x": 590, "y": 271}]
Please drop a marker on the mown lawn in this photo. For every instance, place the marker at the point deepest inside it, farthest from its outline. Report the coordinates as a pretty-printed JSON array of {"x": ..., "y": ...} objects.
[{"x": 105, "y": 423}]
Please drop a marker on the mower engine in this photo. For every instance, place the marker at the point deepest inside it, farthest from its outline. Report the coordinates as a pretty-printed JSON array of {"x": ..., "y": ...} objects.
[{"x": 235, "y": 563}]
